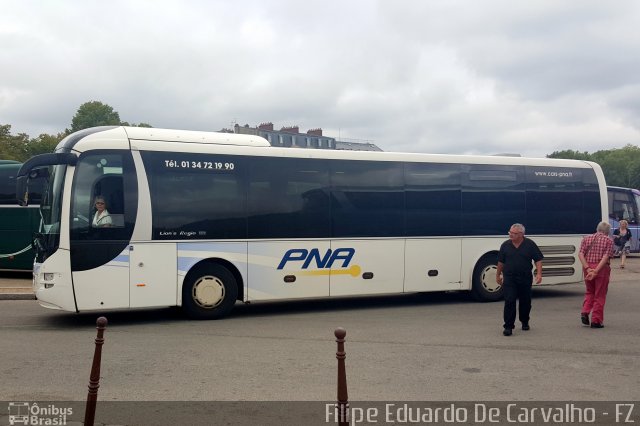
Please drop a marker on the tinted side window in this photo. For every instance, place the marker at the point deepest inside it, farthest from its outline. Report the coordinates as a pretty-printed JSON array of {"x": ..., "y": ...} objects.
[
  {"x": 493, "y": 198},
  {"x": 98, "y": 238},
  {"x": 591, "y": 208},
  {"x": 109, "y": 175},
  {"x": 554, "y": 200},
  {"x": 367, "y": 199},
  {"x": 433, "y": 199},
  {"x": 8, "y": 183},
  {"x": 197, "y": 196},
  {"x": 621, "y": 206},
  {"x": 288, "y": 198}
]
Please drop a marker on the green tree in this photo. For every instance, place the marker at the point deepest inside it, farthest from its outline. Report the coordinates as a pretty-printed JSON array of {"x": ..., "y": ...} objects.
[
  {"x": 13, "y": 147},
  {"x": 94, "y": 113},
  {"x": 44, "y": 143},
  {"x": 621, "y": 166},
  {"x": 20, "y": 147},
  {"x": 90, "y": 114},
  {"x": 571, "y": 154},
  {"x": 126, "y": 123}
]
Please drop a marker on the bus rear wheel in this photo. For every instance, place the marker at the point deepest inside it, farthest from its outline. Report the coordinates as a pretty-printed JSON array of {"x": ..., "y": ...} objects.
[
  {"x": 484, "y": 287},
  {"x": 209, "y": 292}
]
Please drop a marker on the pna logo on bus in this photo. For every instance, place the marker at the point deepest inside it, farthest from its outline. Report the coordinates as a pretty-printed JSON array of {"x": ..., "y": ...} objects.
[{"x": 324, "y": 263}]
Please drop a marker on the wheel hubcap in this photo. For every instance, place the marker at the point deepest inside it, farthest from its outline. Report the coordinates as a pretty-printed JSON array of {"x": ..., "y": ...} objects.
[
  {"x": 208, "y": 292},
  {"x": 489, "y": 279}
]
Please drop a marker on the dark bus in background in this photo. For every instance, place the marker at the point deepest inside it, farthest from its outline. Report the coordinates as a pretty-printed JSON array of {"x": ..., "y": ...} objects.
[
  {"x": 17, "y": 225},
  {"x": 624, "y": 203}
]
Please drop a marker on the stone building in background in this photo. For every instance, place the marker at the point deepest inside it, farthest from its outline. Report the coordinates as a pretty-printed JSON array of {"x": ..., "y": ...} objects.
[{"x": 291, "y": 137}]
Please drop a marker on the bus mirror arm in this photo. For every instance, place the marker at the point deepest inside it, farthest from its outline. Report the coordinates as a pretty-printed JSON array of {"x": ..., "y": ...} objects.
[{"x": 36, "y": 167}]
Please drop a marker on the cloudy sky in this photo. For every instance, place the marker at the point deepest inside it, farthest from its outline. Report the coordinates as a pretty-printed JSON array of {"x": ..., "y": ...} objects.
[{"x": 435, "y": 76}]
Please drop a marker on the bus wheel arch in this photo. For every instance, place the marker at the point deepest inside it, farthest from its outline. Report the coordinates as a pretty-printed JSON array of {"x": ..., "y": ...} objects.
[
  {"x": 484, "y": 287},
  {"x": 210, "y": 289}
]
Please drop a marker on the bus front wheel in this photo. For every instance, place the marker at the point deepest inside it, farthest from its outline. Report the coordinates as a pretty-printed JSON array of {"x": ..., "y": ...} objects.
[
  {"x": 209, "y": 292},
  {"x": 485, "y": 288}
]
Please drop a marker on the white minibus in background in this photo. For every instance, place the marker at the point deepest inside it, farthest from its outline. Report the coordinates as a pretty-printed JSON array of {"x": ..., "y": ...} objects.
[{"x": 624, "y": 203}]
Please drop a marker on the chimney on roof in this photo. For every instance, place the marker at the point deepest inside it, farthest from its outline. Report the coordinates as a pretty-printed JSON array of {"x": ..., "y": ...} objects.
[
  {"x": 266, "y": 126},
  {"x": 315, "y": 132},
  {"x": 290, "y": 129}
]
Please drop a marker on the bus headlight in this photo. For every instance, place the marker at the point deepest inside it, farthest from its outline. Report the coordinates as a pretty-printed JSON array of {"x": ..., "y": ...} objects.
[{"x": 47, "y": 276}]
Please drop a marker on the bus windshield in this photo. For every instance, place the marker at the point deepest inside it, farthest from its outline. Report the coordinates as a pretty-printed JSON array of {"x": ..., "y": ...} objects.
[
  {"x": 47, "y": 240},
  {"x": 51, "y": 205}
]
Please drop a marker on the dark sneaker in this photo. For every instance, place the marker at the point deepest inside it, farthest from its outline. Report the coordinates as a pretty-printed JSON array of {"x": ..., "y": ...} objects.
[
  {"x": 584, "y": 318},
  {"x": 596, "y": 325},
  {"x": 526, "y": 327},
  {"x": 507, "y": 332}
]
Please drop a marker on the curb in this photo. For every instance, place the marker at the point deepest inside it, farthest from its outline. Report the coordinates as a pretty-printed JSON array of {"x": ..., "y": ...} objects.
[{"x": 17, "y": 296}]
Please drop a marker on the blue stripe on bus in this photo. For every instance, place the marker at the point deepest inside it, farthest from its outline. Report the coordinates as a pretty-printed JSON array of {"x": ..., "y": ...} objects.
[
  {"x": 219, "y": 247},
  {"x": 185, "y": 263}
]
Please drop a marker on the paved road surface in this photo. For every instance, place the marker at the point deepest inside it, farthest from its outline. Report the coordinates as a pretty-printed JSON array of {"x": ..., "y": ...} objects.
[{"x": 429, "y": 347}]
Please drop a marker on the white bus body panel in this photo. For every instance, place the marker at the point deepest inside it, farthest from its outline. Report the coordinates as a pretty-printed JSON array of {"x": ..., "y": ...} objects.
[
  {"x": 439, "y": 255},
  {"x": 383, "y": 258},
  {"x": 115, "y": 138},
  {"x": 105, "y": 287},
  {"x": 152, "y": 274},
  {"x": 60, "y": 295},
  {"x": 547, "y": 263},
  {"x": 185, "y": 137},
  {"x": 267, "y": 281}
]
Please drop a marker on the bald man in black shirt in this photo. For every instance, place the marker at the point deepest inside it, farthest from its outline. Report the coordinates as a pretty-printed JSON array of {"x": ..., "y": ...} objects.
[{"x": 514, "y": 274}]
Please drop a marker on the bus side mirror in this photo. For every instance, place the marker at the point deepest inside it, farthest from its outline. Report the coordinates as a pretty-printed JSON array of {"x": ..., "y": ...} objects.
[
  {"x": 39, "y": 173},
  {"x": 35, "y": 167},
  {"x": 22, "y": 184},
  {"x": 22, "y": 191}
]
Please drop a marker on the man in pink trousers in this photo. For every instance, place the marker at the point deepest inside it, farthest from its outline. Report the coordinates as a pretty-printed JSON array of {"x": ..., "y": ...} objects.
[{"x": 595, "y": 251}]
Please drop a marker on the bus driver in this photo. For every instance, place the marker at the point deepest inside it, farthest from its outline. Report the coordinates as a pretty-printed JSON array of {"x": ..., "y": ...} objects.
[{"x": 102, "y": 218}]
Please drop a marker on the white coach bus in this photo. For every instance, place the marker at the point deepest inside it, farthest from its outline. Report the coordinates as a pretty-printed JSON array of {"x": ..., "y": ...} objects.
[{"x": 202, "y": 220}]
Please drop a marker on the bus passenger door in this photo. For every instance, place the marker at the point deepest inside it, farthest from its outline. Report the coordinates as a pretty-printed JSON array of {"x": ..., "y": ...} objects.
[
  {"x": 98, "y": 250},
  {"x": 433, "y": 264},
  {"x": 153, "y": 276},
  {"x": 366, "y": 267},
  {"x": 288, "y": 270}
]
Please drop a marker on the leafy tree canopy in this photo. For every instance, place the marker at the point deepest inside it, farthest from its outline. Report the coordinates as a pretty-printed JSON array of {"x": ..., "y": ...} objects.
[
  {"x": 92, "y": 114},
  {"x": 12, "y": 147},
  {"x": 621, "y": 167},
  {"x": 124, "y": 123},
  {"x": 571, "y": 154},
  {"x": 20, "y": 148}
]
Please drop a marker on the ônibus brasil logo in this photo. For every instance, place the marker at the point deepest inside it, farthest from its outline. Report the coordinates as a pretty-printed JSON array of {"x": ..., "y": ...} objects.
[
  {"x": 338, "y": 259},
  {"x": 25, "y": 413}
]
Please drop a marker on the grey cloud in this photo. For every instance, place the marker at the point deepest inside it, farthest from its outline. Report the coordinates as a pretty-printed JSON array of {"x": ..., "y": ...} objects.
[{"x": 437, "y": 76}]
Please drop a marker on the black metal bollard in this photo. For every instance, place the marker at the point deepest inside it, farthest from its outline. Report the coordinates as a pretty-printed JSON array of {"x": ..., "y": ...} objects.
[
  {"x": 94, "y": 380},
  {"x": 343, "y": 397}
]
